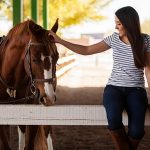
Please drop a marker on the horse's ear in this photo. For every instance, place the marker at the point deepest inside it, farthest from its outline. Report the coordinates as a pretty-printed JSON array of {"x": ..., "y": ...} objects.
[{"x": 55, "y": 26}]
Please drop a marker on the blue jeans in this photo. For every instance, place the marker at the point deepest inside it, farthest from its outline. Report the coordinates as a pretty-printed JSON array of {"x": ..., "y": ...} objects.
[{"x": 134, "y": 100}]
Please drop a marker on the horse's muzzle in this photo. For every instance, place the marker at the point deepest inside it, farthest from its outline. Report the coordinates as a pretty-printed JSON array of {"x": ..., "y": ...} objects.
[{"x": 47, "y": 101}]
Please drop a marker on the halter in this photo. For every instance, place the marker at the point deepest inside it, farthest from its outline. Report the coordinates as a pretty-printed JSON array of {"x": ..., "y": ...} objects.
[
  {"x": 27, "y": 63},
  {"x": 29, "y": 71}
]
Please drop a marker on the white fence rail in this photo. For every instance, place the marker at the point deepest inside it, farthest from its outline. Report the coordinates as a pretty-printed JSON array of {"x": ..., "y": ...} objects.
[
  {"x": 56, "y": 115},
  {"x": 67, "y": 62}
]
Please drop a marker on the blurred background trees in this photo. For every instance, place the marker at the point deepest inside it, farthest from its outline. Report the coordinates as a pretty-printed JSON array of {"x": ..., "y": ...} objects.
[
  {"x": 69, "y": 12},
  {"x": 146, "y": 26}
]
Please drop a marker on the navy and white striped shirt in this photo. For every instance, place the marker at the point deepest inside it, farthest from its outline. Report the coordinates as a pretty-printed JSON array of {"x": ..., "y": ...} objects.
[{"x": 124, "y": 72}]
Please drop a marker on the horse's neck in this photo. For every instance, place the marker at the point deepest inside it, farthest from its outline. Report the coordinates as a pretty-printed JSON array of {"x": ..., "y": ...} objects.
[{"x": 12, "y": 70}]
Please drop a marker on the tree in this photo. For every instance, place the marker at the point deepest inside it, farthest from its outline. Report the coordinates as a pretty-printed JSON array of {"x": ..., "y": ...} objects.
[
  {"x": 5, "y": 9},
  {"x": 69, "y": 12},
  {"x": 75, "y": 11}
]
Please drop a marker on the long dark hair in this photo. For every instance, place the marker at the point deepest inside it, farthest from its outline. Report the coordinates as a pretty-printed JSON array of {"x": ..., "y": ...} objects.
[{"x": 129, "y": 18}]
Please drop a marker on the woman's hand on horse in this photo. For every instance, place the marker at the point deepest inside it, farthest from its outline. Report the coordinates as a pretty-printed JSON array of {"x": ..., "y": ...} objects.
[{"x": 53, "y": 37}]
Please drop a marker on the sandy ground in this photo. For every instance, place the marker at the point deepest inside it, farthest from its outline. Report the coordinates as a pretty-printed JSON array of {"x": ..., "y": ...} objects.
[{"x": 84, "y": 85}]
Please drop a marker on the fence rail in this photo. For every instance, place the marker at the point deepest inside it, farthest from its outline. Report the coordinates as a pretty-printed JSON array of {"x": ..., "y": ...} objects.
[
  {"x": 56, "y": 115},
  {"x": 65, "y": 64}
]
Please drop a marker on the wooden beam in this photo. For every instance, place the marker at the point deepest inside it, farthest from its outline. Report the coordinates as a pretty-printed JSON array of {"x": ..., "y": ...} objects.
[
  {"x": 34, "y": 10},
  {"x": 72, "y": 62},
  {"x": 17, "y": 11},
  {"x": 45, "y": 16},
  {"x": 56, "y": 115}
]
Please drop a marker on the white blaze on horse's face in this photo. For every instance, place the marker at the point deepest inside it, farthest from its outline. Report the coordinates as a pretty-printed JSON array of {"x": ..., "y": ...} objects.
[{"x": 48, "y": 87}]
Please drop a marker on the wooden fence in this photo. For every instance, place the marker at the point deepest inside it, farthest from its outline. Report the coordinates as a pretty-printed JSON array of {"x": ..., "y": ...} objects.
[
  {"x": 65, "y": 64},
  {"x": 58, "y": 114}
]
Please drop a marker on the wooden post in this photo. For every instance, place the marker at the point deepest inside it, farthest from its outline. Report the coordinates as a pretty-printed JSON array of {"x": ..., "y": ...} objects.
[
  {"x": 17, "y": 11},
  {"x": 34, "y": 11},
  {"x": 45, "y": 14}
]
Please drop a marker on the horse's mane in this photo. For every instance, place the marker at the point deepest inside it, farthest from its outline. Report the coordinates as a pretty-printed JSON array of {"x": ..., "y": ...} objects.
[
  {"x": 28, "y": 27},
  {"x": 19, "y": 29}
]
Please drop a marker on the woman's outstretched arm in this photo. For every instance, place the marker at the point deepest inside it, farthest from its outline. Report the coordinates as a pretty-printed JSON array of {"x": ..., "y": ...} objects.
[{"x": 81, "y": 49}]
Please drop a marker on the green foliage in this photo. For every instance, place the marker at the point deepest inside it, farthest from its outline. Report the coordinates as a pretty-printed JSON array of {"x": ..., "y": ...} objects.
[
  {"x": 69, "y": 12},
  {"x": 5, "y": 9},
  {"x": 72, "y": 12}
]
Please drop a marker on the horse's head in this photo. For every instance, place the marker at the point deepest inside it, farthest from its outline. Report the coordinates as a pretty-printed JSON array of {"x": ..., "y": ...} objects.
[
  {"x": 28, "y": 52},
  {"x": 40, "y": 63}
]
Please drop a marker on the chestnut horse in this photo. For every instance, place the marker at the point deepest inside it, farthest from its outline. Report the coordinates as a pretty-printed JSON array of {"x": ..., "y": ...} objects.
[{"x": 28, "y": 76}]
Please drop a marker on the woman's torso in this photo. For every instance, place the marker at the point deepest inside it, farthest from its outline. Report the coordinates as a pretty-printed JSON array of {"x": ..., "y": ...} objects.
[{"x": 124, "y": 72}]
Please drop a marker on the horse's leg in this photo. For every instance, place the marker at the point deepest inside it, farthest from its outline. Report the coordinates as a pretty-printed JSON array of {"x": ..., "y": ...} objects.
[
  {"x": 21, "y": 134},
  {"x": 49, "y": 142},
  {"x": 4, "y": 137},
  {"x": 48, "y": 133},
  {"x": 41, "y": 139},
  {"x": 30, "y": 135}
]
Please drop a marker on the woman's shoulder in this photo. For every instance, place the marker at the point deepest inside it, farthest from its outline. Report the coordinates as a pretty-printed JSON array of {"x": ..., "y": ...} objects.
[
  {"x": 114, "y": 35},
  {"x": 112, "y": 38}
]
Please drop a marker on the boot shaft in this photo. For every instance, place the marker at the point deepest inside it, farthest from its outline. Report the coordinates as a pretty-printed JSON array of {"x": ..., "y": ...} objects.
[
  {"x": 120, "y": 139},
  {"x": 134, "y": 143}
]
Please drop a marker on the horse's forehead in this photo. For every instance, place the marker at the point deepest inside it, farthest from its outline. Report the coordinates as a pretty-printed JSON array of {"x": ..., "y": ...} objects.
[
  {"x": 39, "y": 50},
  {"x": 47, "y": 62}
]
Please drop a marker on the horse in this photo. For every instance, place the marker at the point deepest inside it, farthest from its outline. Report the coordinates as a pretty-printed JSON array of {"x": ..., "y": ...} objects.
[{"x": 28, "y": 61}]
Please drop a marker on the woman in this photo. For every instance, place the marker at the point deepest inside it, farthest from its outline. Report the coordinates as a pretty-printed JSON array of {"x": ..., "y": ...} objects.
[{"x": 125, "y": 89}]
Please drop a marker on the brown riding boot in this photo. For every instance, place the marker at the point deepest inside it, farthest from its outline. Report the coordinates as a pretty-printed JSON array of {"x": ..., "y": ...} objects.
[
  {"x": 133, "y": 143},
  {"x": 120, "y": 139}
]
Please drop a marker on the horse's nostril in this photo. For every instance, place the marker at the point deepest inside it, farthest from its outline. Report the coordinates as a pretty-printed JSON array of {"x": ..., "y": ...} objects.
[
  {"x": 43, "y": 99},
  {"x": 46, "y": 101}
]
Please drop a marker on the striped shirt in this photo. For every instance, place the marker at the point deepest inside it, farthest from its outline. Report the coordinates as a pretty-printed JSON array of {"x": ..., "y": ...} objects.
[{"x": 124, "y": 72}]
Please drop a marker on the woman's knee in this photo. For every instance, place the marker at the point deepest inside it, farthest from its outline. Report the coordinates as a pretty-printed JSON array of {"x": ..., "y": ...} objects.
[
  {"x": 114, "y": 122},
  {"x": 136, "y": 133}
]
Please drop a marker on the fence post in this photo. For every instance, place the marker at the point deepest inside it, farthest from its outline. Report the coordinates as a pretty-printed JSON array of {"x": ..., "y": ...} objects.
[
  {"x": 45, "y": 14},
  {"x": 34, "y": 11},
  {"x": 17, "y": 11}
]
